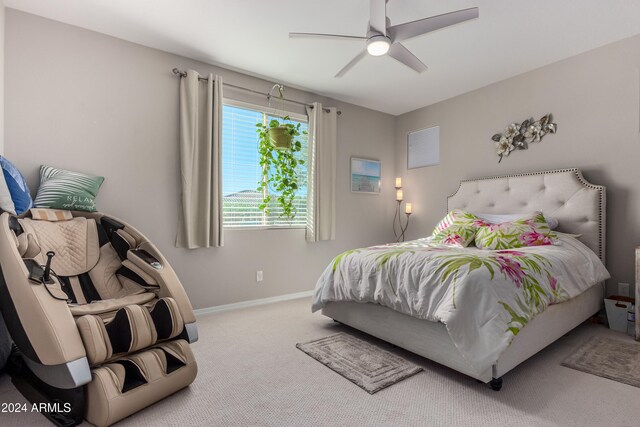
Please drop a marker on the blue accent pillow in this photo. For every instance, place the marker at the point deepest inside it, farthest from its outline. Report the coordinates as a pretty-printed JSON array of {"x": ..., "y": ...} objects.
[{"x": 17, "y": 186}]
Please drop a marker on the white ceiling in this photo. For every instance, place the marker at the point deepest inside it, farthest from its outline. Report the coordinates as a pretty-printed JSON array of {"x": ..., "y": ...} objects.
[{"x": 509, "y": 38}]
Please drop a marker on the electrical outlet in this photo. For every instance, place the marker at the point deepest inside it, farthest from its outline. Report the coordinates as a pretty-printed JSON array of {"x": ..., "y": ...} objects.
[
  {"x": 259, "y": 276},
  {"x": 623, "y": 289}
]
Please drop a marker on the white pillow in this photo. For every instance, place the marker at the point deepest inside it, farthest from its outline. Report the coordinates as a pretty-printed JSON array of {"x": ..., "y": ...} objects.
[
  {"x": 500, "y": 218},
  {"x": 6, "y": 202}
]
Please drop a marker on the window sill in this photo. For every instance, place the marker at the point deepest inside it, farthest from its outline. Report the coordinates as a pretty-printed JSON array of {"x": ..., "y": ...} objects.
[{"x": 272, "y": 227}]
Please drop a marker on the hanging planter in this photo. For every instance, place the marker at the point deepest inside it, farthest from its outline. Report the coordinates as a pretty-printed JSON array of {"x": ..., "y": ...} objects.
[
  {"x": 280, "y": 166},
  {"x": 279, "y": 149},
  {"x": 280, "y": 137}
]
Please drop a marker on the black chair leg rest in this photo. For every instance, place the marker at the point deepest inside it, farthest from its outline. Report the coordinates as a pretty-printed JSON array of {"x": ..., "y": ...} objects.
[{"x": 63, "y": 407}]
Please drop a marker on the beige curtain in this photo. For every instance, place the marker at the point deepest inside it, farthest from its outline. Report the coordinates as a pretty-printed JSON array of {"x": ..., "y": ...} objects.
[
  {"x": 321, "y": 199},
  {"x": 200, "y": 219}
]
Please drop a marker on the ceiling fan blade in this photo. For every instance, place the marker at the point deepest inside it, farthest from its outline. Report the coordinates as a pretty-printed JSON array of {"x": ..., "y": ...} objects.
[
  {"x": 325, "y": 36},
  {"x": 402, "y": 54},
  {"x": 351, "y": 63},
  {"x": 378, "y": 16},
  {"x": 405, "y": 31}
]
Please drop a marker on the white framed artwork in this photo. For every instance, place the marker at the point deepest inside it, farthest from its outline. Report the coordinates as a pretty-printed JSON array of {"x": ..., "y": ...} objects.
[
  {"x": 423, "y": 148},
  {"x": 365, "y": 176}
]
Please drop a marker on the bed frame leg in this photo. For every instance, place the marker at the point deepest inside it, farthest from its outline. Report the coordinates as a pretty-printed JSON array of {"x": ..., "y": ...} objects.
[{"x": 496, "y": 384}]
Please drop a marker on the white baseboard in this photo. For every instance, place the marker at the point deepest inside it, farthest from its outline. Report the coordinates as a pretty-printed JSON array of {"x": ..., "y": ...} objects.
[{"x": 252, "y": 303}]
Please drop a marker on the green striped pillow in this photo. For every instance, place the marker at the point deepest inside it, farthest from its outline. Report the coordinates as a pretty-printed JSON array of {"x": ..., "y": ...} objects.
[{"x": 63, "y": 189}]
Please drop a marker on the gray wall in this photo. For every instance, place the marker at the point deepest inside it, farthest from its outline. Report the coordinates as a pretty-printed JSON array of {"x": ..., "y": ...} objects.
[
  {"x": 2, "y": 19},
  {"x": 594, "y": 98},
  {"x": 85, "y": 101}
]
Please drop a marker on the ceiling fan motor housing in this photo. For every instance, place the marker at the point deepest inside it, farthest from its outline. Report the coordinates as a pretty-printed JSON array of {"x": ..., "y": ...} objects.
[{"x": 378, "y": 45}]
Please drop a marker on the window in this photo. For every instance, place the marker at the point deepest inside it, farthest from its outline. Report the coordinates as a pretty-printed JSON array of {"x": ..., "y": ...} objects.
[{"x": 241, "y": 171}]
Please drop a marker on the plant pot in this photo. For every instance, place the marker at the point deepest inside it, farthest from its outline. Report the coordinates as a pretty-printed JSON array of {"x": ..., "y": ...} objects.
[{"x": 280, "y": 138}]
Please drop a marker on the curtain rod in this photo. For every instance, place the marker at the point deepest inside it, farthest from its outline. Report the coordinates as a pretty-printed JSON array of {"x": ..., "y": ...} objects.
[{"x": 184, "y": 74}]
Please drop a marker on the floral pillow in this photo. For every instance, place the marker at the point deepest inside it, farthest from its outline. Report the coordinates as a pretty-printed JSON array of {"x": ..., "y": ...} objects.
[
  {"x": 456, "y": 214},
  {"x": 457, "y": 228},
  {"x": 528, "y": 231}
]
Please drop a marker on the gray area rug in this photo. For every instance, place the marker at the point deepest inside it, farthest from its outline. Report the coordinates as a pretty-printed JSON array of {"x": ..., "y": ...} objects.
[
  {"x": 364, "y": 364},
  {"x": 608, "y": 358}
]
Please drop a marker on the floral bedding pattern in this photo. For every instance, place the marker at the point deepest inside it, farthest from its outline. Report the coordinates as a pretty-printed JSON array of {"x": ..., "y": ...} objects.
[
  {"x": 528, "y": 231},
  {"x": 484, "y": 297},
  {"x": 448, "y": 220},
  {"x": 458, "y": 228}
]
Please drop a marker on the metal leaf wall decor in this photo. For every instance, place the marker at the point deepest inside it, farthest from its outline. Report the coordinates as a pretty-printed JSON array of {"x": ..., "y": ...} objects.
[{"x": 518, "y": 136}]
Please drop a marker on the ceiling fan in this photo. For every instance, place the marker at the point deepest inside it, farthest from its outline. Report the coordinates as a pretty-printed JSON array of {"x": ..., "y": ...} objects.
[{"x": 383, "y": 38}]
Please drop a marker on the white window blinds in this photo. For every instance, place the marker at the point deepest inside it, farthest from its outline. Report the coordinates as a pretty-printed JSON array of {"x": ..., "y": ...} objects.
[{"x": 241, "y": 173}]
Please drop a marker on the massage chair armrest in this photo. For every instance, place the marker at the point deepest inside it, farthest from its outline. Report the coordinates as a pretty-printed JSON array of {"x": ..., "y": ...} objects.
[
  {"x": 148, "y": 259},
  {"x": 164, "y": 275}
]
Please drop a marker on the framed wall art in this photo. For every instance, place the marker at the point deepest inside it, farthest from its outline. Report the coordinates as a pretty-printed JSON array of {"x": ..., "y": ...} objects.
[
  {"x": 423, "y": 148},
  {"x": 365, "y": 176}
]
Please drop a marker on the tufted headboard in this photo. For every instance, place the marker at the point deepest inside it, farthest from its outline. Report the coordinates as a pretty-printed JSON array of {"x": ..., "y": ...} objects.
[{"x": 564, "y": 194}]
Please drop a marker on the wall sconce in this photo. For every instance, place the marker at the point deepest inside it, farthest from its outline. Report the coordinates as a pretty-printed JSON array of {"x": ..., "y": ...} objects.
[{"x": 398, "y": 228}]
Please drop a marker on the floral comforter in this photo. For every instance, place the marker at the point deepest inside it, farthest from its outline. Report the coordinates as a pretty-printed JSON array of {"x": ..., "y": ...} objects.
[{"x": 483, "y": 297}]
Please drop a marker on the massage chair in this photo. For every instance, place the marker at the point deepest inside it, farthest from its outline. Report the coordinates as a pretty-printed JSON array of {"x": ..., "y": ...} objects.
[{"x": 100, "y": 321}]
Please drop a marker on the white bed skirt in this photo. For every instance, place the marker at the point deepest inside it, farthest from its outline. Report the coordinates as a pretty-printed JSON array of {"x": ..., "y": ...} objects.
[{"x": 431, "y": 339}]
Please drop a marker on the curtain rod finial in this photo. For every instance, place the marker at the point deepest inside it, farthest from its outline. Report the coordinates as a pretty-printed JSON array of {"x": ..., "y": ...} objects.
[{"x": 180, "y": 73}]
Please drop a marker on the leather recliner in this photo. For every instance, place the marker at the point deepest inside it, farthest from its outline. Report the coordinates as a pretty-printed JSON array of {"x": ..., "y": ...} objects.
[{"x": 100, "y": 320}]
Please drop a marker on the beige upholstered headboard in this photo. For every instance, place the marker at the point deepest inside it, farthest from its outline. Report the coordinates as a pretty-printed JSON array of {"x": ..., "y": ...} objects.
[{"x": 564, "y": 194}]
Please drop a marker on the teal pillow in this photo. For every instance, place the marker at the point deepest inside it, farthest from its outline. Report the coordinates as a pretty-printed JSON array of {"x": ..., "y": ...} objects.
[{"x": 63, "y": 189}]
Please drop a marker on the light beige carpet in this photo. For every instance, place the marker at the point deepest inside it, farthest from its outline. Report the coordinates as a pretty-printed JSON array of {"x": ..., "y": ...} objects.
[
  {"x": 608, "y": 358},
  {"x": 251, "y": 374},
  {"x": 366, "y": 365}
]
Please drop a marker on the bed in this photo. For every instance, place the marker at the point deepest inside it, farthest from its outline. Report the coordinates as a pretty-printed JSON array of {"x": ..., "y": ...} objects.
[{"x": 564, "y": 194}]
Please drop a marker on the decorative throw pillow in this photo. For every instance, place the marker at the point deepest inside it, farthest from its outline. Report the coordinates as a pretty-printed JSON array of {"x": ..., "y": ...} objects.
[
  {"x": 6, "y": 202},
  {"x": 63, "y": 189},
  {"x": 456, "y": 214},
  {"x": 17, "y": 186},
  {"x": 445, "y": 222},
  {"x": 528, "y": 231},
  {"x": 457, "y": 228}
]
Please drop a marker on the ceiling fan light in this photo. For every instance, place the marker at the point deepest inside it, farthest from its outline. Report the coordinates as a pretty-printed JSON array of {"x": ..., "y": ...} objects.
[{"x": 378, "y": 45}]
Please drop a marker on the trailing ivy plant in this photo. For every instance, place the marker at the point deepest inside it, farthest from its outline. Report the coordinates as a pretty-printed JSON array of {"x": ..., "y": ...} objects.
[{"x": 280, "y": 167}]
